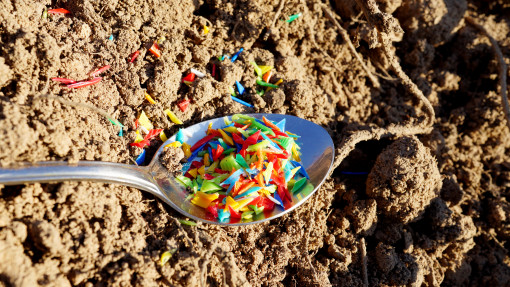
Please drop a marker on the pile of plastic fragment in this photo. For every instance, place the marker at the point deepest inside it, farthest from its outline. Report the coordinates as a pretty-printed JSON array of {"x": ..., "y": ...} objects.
[{"x": 243, "y": 169}]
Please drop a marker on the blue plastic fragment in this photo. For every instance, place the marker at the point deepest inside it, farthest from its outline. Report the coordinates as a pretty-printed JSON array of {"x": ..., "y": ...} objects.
[
  {"x": 277, "y": 197},
  {"x": 121, "y": 132},
  {"x": 233, "y": 178},
  {"x": 110, "y": 38},
  {"x": 249, "y": 191},
  {"x": 301, "y": 170},
  {"x": 281, "y": 125},
  {"x": 252, "y": 171},
  {"x": 240, "y": 88},
  {"x": 270, "y": 141},
  {"x": 237, "y": 54},
  {"x": 180, "y": 136},
  {"x": 241, "y": 102},
  {"x": 195, "y": 153},
  {"x": 210, "y": 154},
  {"x": 185, "y": 167},
  {"x": 238, "y": 147},
  {"x": 141, "y": 158},
  {"x": 223, "y": 215}
]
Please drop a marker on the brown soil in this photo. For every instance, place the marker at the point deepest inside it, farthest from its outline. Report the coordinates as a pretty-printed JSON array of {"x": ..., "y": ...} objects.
[{"x": 433, "y": 210}]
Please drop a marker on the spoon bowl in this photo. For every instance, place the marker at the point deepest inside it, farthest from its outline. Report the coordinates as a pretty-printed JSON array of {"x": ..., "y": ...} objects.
[{"x": 317, "y": 158}]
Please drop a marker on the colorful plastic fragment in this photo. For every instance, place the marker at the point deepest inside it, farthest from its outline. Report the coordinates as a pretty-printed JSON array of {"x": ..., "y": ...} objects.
[
  {"x": 144, "y": 121},
  {"x": 183, "y": 105},
  {"x": 149, "y": 98},
  {"x": 236, "y": 55},
  {"x": 141, "y": 158},
  {"x": 173, "y": 117},
  {"x": 197, "y": 73},
  {"x": 99, "y": 71},
  {"x": 240, "y": 88},
  {"x": 206, "y": 29},
  {"x": 134, "y": 56},
  {"x": 63, "y": 80},
  {"x": 242, "y": 169},
  {"x": 187, "y": 222},
  {"x": 166, "y": 256},
  {"x": 293, "y": 17},
  {"x": 111, "y": 37},
  {"x": 241, "y": 102},
  {"x": 58, "y": 11},
  {"x": 155, "y": 50},
  {"x": 82, "y": 84}
]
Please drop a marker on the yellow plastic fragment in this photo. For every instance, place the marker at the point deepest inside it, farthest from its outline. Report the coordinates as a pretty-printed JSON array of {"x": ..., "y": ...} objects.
[
  {"x": 175, "y": 144},
  {"x": 265, "y": 69},
  {"x": 295, "y": 153},
  {"x": 213, "y": 166},
  {"x": 193, "y": 172},
  {"x": 206, "y": 29},
  {"x": 149, "y": 98},
  {"x": 162, "y": 136},
  {"x": 144, "y": 121},
  {"x": 166, "y": 256},
  {"x": 206, "y": 159},
  {"x": 209, "y": 128},
  {"x": 277, "y": 83},
  {"x": 173, "y": 117},
  {"x": 226, "y": 137},
  {"x": 230, "y": 202},
  {"x": 203, "y": 199},
  {"x": 201, "y": 170},
  {"x": 139, "y": 137},
  {"x": 243, "y": 203},
  {"x": 265, "y": 192},
  {"x": 186, "y": 148},
  {"x": 231, "y": 129}
]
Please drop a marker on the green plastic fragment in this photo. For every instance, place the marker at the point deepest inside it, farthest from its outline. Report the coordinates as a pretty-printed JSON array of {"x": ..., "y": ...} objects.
[
  {"x": 256, "y": 209},
  {"x": 166, "y": 256},
  {"x": 209, "y": 186},
  {"x": 188, "y": 222},
  {"x": 223, "y": 144},
  {"x": 264, "y": 84},
  {"x": 261, "y": 145},
  {"x": 218, "y": 178},
  {"x": 226, "y": 121},
  {"x": 45, "y": 13},
  {"x": 228, "y": 151},
  {"x": 232, "y": 92},
  {"x": 247, "y": 214},
  {"x": 297, "y": 186},
  {"x": 260, "y": 92},
  {"x": 286, "y": 143},
  {"x": 115, "y": 122},
  {"x": 290, "y": 184},
  {"x": 184, "y": 181},
  {"x": 241, "y": 161},
  {"x": 229, "y": 163},
  {"x": 258, "y": 71},
  {"x": 201, "y": 153},
  {"x": 293, "y": 17}
]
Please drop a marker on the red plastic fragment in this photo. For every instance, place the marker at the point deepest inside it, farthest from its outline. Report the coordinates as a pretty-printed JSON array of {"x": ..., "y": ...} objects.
[
  {"x": 251, "y": 140},
  {"x": 140, "y": 144},
  {"x": 58, "y": 11},
  {"x": 201, "y": 142},
  {"x": 208, "y": 176},
  {"x": 237, "y": 138},
  {"x": 266, "y": 203},
  {"x": 213, "y": 72},
  {"x": 63, "y": 80},
  {"x": 99, "y": 71},
  {"x": 189, "y": 78},
  {"x": 155, "y": 50},
  {"x": 134, "y": 56},
  {"x": 183, "y": 105},
  {"x": 233, "y": 213},
  {"x": 82, "y": 84},
  {"x": 152, "y": 133},
  {"x": 213, "y": 209},
  {"x": 217, "y": 152}
]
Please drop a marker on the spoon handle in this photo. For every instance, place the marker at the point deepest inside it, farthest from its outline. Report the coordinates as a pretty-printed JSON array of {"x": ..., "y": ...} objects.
[{"x": 130, "y": 175}]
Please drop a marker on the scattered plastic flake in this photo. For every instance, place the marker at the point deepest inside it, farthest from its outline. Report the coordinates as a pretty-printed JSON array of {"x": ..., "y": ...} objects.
[
  {"x": 241, "y": 102},
  {"x": 144, "y": 121},
  {"x": 232, "y": 92},
  {"x": 58, "y": 11},
  {"x": 264, "y": 69},
  {"x": 134, "y": 56},
  {"x": 111, "y": 38},
  {"x": 277, "y": 83},
  {"x": 63, "y": 80},
  {"x": 190, "y": 77},
  {"x": 187, "y": 222},
  {"x": 240, "y": 88},
  {"x": 236, "y": 55},
  {"x": 166, "y": 256},
  {"x": 163, "y": 136},
  {"x": 155, "y": 50},
  {"x": 173, "y": 117},
  {"x": 293, "y": 17},
  {"x": 82, "y": 84},
  {"x": 99, "y": 71},
  {"x": 149, "y": 98},
  {"x": 206, "y": 30},
  {"x": 141, "y": 158},
  {"x": 197, "y": 72},
  {"x": 183, "y": 105}
]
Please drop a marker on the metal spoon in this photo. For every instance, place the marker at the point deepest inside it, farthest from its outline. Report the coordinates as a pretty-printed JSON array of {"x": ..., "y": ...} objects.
[{"x": 317, "y": 158}]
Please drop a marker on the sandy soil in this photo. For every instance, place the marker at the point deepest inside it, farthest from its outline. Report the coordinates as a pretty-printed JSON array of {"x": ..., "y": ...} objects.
[{"x": 434, "y": 208}]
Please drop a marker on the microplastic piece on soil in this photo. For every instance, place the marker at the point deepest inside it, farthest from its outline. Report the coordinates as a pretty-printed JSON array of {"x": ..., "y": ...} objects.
[
  {"x": 82, "y": 84},
  {"x": 187, "y": 222},
  {"x": 99, "y": 71},
  {"x": 173, "y": 117},
  {"x": 141, "y": 158},
  {"x": 63, "y": 80},
  {"x": 149, "y": 98},
  {"x": 232, "y": 92},
  {"x": 264, "y": 84},
  {"x": 58, "y": 11},
  {"x": 190, "y": 77},
  {"x": 237, "y": 55},
  {"x": 144, "y": 121},
  {"x": 197, "y": 72},
  {"x": 166, "y": 256},
  {"x": 110, "y": 38},
  {"x": 134, "y": 56},
  {"x": 242, "y": 102},
  {"x": 293, "y": 17},
  {"x": 155, "y": 50},
  {"x": 206, "y": 30},
  {"x": 240, "y": 88}
]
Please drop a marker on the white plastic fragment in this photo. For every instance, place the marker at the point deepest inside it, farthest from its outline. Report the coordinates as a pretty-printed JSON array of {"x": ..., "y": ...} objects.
[{"x": 197, "y": 72}]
